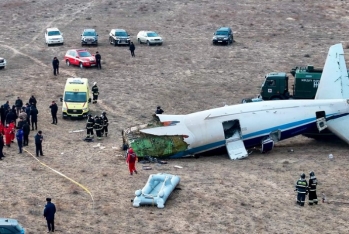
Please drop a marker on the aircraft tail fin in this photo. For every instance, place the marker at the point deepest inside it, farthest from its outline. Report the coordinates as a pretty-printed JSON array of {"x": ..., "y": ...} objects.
[{"x": 334, "y": 82}]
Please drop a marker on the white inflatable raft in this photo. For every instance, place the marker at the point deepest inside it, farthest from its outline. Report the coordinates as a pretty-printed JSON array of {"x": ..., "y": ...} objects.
[{"x": 156, "y": 191}]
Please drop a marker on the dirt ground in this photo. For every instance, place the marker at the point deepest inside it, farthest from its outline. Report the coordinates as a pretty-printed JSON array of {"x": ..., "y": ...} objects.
[{"x": 186, "y": 74}]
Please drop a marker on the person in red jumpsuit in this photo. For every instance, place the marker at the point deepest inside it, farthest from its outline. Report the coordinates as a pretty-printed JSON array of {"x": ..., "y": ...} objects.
[
  {"x": 12, "y": 126},
  {"x": 7, "y": 132},
  {"x": 131, "y": 160}
]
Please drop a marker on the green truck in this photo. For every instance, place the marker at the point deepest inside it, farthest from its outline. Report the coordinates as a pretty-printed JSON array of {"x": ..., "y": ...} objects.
[{"x": 306, "y": 81}]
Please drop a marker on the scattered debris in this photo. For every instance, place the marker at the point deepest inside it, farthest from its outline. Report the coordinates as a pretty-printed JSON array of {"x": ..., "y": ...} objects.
[
  {"x": 98, "y": 145},
  {"x": 330, "y": 156},
  {"x": 77, "y": 131},
  {"x": 176, "y": 166},
  {"x": 146, "y": 168},
  {"x": 290, "y": 150},
  {"x": 323, "y": 198},
  {"x": 102, "y": 147}
]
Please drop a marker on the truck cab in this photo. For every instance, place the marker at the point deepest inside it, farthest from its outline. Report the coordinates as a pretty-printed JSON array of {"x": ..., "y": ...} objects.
[{"x": 275, "y": 86}]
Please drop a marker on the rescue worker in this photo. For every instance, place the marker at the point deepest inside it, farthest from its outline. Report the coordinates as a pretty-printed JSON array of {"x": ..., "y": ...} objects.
[
  {"x": 18, "y": 104},
  {"x": 12, "y": 126},
  {"x": 32, "y": 100},
  {"x": 95, "y": 92},
  {"x": 105, "y": 123},
  {"x": 54, "y": 109},
  {"x": 98, "y": 60},
  {"x": 159, "y": 110},
  {"x": 98, "y": 127},
  {"x": 89, "y": 126},
  {"x": 38, "y": 143},
  {"x": 55, "y": 64},
  {"x": 302, "y": 189},
  {"x": 312, "y": 189},
  {"x": 7, "y": 132},
  {"x": 27, "y": 111},
  {"x": 131, "y": 160},
  {"x": 2, "y": 143},
  {"x": 11, "y": 116},
  {"x": 26, "y": 131},
  {"x": 19, "y": 136}
]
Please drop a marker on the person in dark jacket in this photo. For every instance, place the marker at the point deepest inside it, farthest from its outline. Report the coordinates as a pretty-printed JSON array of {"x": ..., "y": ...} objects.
[
  {"x": 98, "y": 60},
  {"x": 95, "y": 92},
  {"x": 32, "y": 100},
  {"x": 6, "y": 106},
  {"x": 98, "y": 127},
  {"x": 26, "y": 131},
  {"x": 19, "y": 137},
  {"x": 34, "y": 117},
  {"x": 15, "y": 113},
  {"x": 2, "y": 114},
  {"x": 312, "y": 189},
  {"x": 27, "y": 111},
  {"x": 89, "y": 126},
  {"x": 38, "y": 143},
  {"x": 105, "y": 123},
  {"x": 302, "y": 189},
  {"x": 18, "y": 104},
  {"x": 54, "y": 109},
  {"x": 132, "y": 49},
  {"x": 159, "y": 110},
  {"x": 11, "y": 116},
  {"x": 55, "y": 64},
  {"x": 49, "y": 214},
  {"x": 2, "y": 143}
]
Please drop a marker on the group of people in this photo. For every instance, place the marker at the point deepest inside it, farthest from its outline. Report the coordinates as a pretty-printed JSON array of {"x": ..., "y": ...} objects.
[
  {"x": 99, "y": 124},
  {"x": 303, "y": 188}
]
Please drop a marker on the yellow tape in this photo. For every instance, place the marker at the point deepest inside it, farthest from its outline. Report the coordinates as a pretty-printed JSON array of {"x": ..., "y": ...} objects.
[{"x": 61, "y": 174}]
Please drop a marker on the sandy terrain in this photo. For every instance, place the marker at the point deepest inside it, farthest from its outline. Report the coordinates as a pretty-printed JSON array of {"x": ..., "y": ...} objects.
[{"x": 184, "y": 75}]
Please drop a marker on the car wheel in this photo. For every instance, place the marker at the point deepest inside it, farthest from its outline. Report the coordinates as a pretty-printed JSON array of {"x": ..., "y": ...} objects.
[
  {"x": 114, "y": 42},
  {"x": 110, "y": 40},
  {"x": 148, "y": 43},
  {"x": 67, "y": 62},
  {"x": 160, "y": 44},
  {"x": 81, "y": 66},
  {"x": 139, "y": 41}
]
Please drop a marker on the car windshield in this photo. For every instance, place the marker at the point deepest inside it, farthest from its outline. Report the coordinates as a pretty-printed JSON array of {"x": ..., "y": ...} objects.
[
  {"x": 89, "y": 33},
  {"x": 84, "y": 54},
  {"x": 121, "y": 34},
  {"x": 152, "y": 34},
  {"x": 75, "y": 97},
  {"x": 222, "y": 33},
  {"x": 54, "y": 33}
]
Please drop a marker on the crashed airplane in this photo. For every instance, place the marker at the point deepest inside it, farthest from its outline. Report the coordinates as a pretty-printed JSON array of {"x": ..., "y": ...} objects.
[{"x": 242, "y": 126}]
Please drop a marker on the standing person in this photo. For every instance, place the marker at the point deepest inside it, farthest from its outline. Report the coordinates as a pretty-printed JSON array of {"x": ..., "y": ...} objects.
[
  {"x": 98, "y": 126},
  {"x": 2, "y": 143},
  {"x": 12, "y": 127},
  {"x": 7, "y": 132},
  {"x": 312, "y": 189},
  {"x": 55, "y": 64},
  {"x": 19, "y": 136},
  {"x": 131, "y": 160},
  {"x": 6, "y": 106},
  {"x": 34, "y": 117},
  {"x": 27, "y": 111},
  {"x": 2, "y": 114},
  {"x": 49, "y": 214},
  {"x": 159, "y": 110},
  {"x": 38, "y": 143},
  {"x": 301, "y": 188},
  {"x": 32, "y": 100},
  {"x": 26, "y": 131},
  {"x": 95, "y": 92},
  {"x": 89, "y": 126},
  {"x": 18, "y": 104},
  {"x": 132, "y": 49},
  {"x": 98, "y": 60},
  {"x": 105, "y": 123},
  {"x": 54, "y": 109},
  {"x": 11, "y": 116}
]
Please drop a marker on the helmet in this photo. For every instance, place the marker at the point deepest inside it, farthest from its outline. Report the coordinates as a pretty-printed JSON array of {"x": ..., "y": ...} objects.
[
  {"x": 89, "y": 115},
  {"x": 130, "y": 150},
  {"x": 96, "y": 116},
  {"x": 104, "y": 113},
  {"x": 303, "y": 176},
  {"x": 158, "y": 107},
  {"x": 311, "y": 174}
]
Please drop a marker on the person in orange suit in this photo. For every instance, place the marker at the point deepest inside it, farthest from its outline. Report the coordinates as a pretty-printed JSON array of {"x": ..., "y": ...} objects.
[
  {"x": 131, "y": 160},
  {"x": 7, "y": 132},
  {"x": 12, "y": 126}
]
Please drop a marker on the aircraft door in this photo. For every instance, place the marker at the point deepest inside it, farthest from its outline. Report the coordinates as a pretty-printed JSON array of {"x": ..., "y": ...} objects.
[
  {"x": 321, "y": 120},
  {"x": 233, "y": 141}
]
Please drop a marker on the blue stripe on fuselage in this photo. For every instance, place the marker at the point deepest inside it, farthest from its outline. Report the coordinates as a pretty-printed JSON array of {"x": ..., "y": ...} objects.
[{"x": 254, "y": 139}]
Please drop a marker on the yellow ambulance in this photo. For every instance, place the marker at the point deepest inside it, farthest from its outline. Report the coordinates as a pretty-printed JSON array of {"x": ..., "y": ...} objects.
[{"x": 76, "y": 98}]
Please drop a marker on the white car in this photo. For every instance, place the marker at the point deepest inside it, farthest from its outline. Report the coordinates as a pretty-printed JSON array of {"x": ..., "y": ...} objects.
[
  {"x": 2, "y": 63},
  {"x": 149, "y": 37},
  {"x": 53, "y": 36}
]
